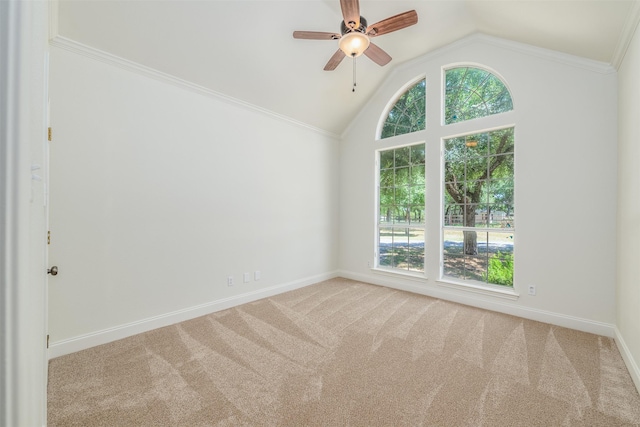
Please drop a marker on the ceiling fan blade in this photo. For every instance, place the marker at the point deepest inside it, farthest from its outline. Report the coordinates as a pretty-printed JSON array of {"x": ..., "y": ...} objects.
[
  {"x": 377, "y": 55},
  {"x": 335, "y": 60},
  {"x": 351, "y": 13},
  {"x": 394, "y": 23},
  {"x": 315, "y": 35}
]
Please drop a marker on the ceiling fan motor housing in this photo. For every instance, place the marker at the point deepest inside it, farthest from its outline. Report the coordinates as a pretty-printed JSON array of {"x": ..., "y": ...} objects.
[{"x": 361, "y": 29}]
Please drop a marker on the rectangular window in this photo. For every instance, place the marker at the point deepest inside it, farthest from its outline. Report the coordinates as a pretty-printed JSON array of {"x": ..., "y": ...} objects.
[
  {"x": 478, "y": 216},
  {"x": 401, "y": 208}
]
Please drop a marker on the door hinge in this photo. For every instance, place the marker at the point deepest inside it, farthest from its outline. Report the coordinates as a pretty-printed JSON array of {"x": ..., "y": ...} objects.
[
  {"x": 49, "y": 237},
  {"x": 47, "y": 340},
  {"x": 49, "y": 133}
]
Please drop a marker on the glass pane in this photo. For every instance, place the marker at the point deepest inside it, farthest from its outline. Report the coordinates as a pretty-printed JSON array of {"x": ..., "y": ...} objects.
[
  {"x": 475, "y": 186},
  {"x": 466, "y": 178},
  {"x": 402, "y": 156},
  {"x": 454, "y": 149},
  {"x": 386, "y": 178},
  {"x": 416, "y": 250},
  {"x": 417, "y": 175},
  {"x": 385, "y": 247},
  {"x": 388, "y": 129},
  {"x": 500, "y": 242},
  {"x": 395, "y": 213},
  {"x": 500, "y": 191},
  {"x": 417, "y": 214},
  {"x": 387, "y": 196},
  {"x": 417, "y": 154},
  {"x": 482, "y": 216},
  {"x": 417, "y": 197},
  {"x": 448, "y": 200},
  {"x": 500, "y": 258},
  {"x": 453, "y": 256},
  {"x": 402, "y": 203},
  {"x": 501, "y": 166},
  {"x": 403, "y": 196},
  {"x": 501, "y": 141},
  {"x": 404, "y": 215},
  {"x": 402, "y": 176},
  {"x": 476, "y": 145},
  {"x": 475, "y": 255},
  {"x": 454, "y": 215},
  {"x": 499, "y": 218},
  {"x": 386, "y": 159},
  {"x": 408, "y": 113},
  {"x": 401, "y": 247},
  {"x": 472, "y": 92},
  {"x": 386, "y": 214}
]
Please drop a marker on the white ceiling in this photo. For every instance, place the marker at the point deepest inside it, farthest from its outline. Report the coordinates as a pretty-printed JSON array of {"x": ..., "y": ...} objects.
[{"x": 245, "y": 49}]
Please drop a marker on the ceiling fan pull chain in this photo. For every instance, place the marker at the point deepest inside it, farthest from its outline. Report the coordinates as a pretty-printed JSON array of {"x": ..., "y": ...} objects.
[{"x": 354, "y": 73}]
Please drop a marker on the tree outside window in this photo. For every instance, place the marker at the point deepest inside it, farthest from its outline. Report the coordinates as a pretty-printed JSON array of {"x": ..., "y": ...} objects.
[{"x": 478, "y": 217}]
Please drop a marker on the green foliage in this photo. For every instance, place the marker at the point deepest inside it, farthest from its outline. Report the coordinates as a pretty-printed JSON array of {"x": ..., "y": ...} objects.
[
  {"x": 473, "y": 92},
  {"x": 500, "y": 271},
  {"x": 402, "y": 183},
  {"x": 478, "y": 176},
  {"x": 408, "y": 113}
]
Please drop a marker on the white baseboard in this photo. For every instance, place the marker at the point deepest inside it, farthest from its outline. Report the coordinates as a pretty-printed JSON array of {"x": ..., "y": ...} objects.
[
  {"x": 498, "y": 305},
  {"x": 82, "y": 342},
  {"x": 632, "y": 366}
]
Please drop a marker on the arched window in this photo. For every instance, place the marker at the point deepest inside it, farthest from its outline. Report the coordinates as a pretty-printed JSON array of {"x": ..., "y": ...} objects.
[
  {"x": 473, "y": 92},
  {"x": 478, "y": 182},
  {"x": 477, "y": 220},
  {"x": 408, "y": 113}
]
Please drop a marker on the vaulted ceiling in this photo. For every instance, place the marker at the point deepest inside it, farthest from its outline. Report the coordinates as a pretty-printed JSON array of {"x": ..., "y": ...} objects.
[{"x": 245, "y": 49}]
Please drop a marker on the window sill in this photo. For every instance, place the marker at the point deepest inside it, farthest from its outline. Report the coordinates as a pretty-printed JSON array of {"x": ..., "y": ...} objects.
[
  {"x": 418, "y": 277},
  {"x": 483, "y": 289},
  {"x": 475, "y": 287}
]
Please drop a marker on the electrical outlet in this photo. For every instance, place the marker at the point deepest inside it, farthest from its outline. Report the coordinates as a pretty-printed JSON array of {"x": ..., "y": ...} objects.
[
  {"x": 532, "y": 290},
  {"x": 256, "y": 275},
  {"x": 246, "y": 277},
  {"x": 230, "y": 281}
]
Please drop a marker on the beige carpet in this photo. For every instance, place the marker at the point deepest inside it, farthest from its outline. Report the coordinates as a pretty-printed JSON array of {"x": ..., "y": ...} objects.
[{"x": 344, "y": 353}]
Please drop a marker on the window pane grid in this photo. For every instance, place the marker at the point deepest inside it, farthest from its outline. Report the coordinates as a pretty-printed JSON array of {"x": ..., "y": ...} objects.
[
  {"x": 401, "y": 213},
  {"x": 408, "y": 114},
  {"x": 478, "y": 216},
  {"x": 472, "y": 93}
]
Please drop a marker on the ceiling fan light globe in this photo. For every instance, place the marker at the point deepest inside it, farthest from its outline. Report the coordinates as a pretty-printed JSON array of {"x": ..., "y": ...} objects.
[{"x": 353, "y": 44}]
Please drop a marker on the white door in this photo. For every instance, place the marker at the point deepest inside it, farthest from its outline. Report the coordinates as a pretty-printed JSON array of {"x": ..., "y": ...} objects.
[
  {"x": 38, "y": 233},
  {"x": 23, "y": 212}
]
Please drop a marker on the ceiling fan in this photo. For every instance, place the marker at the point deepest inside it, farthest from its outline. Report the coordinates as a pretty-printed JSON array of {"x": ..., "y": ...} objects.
[{"x": 354, "y": 37}]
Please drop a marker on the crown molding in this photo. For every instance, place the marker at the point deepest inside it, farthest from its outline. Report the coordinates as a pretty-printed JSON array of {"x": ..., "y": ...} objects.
[
  {"x": 523, "y": 48},
  {"x": 125, "y": 64},
  {"x": 628, "y": 31}
]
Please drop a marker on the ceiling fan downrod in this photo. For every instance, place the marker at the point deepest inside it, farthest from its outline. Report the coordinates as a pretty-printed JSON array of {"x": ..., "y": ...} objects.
[{"x": 353, "y": 55}]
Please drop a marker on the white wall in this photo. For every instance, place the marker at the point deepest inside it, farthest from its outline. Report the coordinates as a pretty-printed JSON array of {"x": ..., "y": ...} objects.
[
  {"x": 565, "y": 121},
  {"x": 159, "y": 193},
  {"x": 628, "y": 220}
]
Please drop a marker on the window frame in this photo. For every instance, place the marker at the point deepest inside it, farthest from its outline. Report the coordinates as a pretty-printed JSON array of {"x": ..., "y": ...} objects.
[
  {"x": 443, "y": 92},
  {"x": 471, "y": 284},
  {"x": 392, "y": 103},
  {"x": 473, "y": 126},
  {"x": 433, "y": 137},
  {"x": 378, "y": 224}
]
